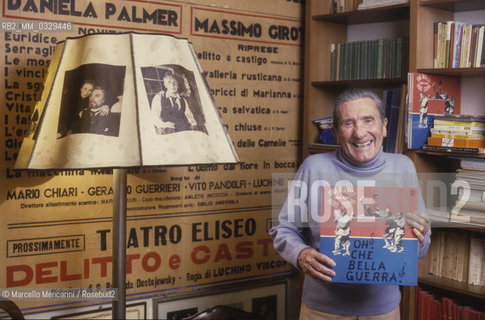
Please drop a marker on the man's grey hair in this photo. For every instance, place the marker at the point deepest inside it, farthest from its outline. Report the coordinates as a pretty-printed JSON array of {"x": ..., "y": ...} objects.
[{"x": 354, "y": 94}]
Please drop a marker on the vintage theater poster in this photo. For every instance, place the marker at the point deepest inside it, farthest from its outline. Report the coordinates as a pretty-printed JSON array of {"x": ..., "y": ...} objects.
[{"x": 364, "y": 231}]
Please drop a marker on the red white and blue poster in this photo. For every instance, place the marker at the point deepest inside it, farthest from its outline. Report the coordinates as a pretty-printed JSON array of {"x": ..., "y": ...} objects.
[
  {"x": 364, "y": 231},
  {"x": 429, "y": 96}
]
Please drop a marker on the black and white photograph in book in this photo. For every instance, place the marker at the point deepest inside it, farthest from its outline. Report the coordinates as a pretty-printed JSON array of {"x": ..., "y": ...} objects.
[
  {"x": 91, "y": 100},
  {"x": 174, "y": 100}
]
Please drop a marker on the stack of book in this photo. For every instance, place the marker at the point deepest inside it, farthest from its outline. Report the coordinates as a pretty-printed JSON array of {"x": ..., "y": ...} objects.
[
  {"x": 458, "y": 45},
  {"x": 369, "y": 4},
  {"x": 339, "y": 6},
  {"x": 430, "y": 307},
  {"x": 370, "y": 59},
  {"x": 458, "y": 133},
  {"x": 470, "y": 204}
]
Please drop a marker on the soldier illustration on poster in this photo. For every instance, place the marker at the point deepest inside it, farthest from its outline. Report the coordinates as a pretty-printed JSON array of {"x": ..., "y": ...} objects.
[
  {"x": 342, "y": 232},
  {"x": 394, "y": 225},
  {"x": 423, "y": 111}
]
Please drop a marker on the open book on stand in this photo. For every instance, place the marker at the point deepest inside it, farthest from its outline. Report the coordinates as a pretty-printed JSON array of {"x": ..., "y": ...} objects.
[
  {"x": 366, "y": 234},
  {"x": 130, "y": 99}
]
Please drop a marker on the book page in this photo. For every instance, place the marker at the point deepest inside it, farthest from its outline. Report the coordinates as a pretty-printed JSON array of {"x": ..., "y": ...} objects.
[
  {"x": 179, "y": 123},
  {"x": 88, "y": 120}
]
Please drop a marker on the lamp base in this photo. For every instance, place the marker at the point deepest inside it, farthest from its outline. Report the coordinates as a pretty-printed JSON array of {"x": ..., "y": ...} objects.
[{"x": 119, "y": 243}]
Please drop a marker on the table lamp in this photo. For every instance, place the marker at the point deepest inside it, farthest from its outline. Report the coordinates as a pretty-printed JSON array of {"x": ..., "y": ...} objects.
[{"x": 124, "y": 100}]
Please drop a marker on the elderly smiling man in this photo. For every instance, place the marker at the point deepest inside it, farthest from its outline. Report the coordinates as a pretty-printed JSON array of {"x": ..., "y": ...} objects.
[{"x": 360, "y": 128}]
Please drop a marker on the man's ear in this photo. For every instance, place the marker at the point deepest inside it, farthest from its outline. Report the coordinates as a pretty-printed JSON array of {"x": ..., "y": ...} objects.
[{"x": 384, "y": 129}]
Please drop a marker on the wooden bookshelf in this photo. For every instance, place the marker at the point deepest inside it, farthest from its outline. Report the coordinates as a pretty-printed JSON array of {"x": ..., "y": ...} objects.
[
  {"x": 314, "y": 148},
  {"x": 423, "y": 15},
  {"x": 454, "y": 5},
  {"x": 323, "y": 28},
  {"x": 440, "y": 222},
  {"x": 384, "y": 14},
  {"x": 365, "y": 83},
  {"x": 455, "y": 154},
  {"x": 456, "y": 72},
  {"x": 452, "y": 285}
]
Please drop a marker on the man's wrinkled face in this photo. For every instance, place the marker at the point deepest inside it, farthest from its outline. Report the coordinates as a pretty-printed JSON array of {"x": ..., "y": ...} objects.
[{"x": 361, "y": 131}]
